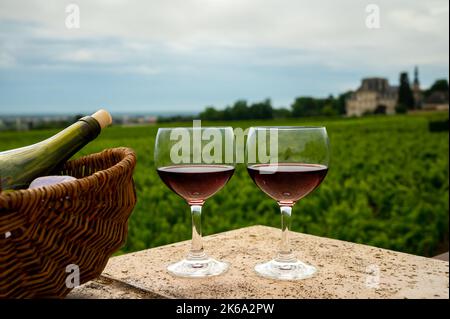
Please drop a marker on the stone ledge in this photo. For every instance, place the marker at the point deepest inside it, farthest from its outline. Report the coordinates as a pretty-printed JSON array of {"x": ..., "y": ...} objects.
[{"x": 345, "y": 270}]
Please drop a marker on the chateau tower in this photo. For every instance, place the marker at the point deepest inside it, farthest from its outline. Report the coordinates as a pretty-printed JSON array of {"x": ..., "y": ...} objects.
[{"x": 417, "y": 93}]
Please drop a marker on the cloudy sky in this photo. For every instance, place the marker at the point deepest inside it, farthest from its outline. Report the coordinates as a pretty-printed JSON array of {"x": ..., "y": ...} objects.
[{"x": 181, "y": 55}]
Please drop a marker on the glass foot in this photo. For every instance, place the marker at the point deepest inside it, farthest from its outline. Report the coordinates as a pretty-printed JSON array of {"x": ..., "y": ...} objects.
[
  {"x": 294, "y": 270},
  {"x": 198, "y": 268}
]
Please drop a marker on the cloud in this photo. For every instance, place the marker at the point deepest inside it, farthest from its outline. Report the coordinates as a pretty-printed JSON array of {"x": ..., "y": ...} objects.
[
  {"x": 140, "y": 69},
  {"x": 6, "y": 60},
  {"x": 233, "y": 44},
  {"x": 330, "y": 32},
  {"x": 78, "y": 56},
  {"x": 91, "y": 55}
]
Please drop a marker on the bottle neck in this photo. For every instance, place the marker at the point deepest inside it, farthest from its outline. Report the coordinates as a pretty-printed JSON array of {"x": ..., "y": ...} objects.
[
  {"x": 93, "y": 129},
  {"x": 20, "y": 166}
]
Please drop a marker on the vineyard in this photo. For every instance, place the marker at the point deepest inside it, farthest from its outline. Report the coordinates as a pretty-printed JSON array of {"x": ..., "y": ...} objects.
[{"x": 387, "y": 186}]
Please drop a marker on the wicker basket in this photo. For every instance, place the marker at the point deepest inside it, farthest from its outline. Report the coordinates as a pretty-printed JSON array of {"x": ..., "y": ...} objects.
[{"x": 45, "y": 231}]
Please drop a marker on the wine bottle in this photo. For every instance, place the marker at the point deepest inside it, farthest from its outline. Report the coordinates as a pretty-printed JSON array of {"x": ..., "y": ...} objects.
[{"x": 19, "y": 167}]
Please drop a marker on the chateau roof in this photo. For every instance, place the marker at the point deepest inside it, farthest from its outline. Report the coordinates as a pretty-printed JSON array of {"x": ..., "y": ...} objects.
[{"x": 377, "y": 84}]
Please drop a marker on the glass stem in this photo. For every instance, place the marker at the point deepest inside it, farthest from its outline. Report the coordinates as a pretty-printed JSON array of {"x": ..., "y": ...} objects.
[
  {"x": 285, "y": 253},
  {"x": 196, "y": 251}
]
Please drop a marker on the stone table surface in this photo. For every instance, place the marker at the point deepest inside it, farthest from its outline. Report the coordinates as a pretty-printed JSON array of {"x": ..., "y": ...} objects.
[{"x": 345, "y": 270}]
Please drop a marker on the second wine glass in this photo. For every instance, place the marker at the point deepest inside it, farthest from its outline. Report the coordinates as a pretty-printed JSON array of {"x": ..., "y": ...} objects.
[
  {"x": 195, "y": 163},
  {"x": 287, "y": 163}
]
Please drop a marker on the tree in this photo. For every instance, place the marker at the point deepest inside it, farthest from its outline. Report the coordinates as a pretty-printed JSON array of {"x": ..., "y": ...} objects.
[
  {"x": 438, "y": 86},
  {"x": 261, "y": 110},
  {"x": 304, "y": 106},
  {"x": 227, "y": 114},
  {"x": 281, "y": 113},
  {"x": 329, "y": 110},
  {"x": 211, "y": 114},
  {"x": 341, "y": 102},
  {"x": 240, "y": 110},
  {"x": 405, "y": 95}
]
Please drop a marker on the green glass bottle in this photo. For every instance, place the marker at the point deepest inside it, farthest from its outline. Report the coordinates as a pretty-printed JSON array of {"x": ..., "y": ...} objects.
[{"x": 19, "y": 167}]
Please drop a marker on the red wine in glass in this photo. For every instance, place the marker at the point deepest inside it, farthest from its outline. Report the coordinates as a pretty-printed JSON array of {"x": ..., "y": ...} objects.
[
  {"x": 305, "y": 154},
  {"x": 185, "y": 166},
  {"x": 287, "y": 182},
  {"x": 195, "y": 183}
]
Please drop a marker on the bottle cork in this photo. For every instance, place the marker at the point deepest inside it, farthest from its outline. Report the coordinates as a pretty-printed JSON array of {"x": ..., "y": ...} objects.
[{"x": 103, "y": 118}]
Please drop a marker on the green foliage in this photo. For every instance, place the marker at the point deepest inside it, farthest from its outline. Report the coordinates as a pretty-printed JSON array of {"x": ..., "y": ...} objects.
[
  {"x": 405, "y": 95},
  {"x": 341, "y": 102},
  {"x": 309, "y": 106},
  {"x": 438, "y": 86},
  {"x": 387, "y": 186},
  {"x": 261, "y": 110},
  {"x": 210, "y": 113},
  {"x": 439, "y": 125},
  {"x": 401, "y": 109},
  {"x": 328, "y": 110},
  {"x": 305, "y": 106},
  {"x": 240, "y": 111},
  {"x": 281, "y": 113},
  {"x": 302, "y": 107}
]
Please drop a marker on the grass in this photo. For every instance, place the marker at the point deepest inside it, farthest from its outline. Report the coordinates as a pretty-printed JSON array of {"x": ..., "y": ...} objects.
[{"x": 387, "y": 185}]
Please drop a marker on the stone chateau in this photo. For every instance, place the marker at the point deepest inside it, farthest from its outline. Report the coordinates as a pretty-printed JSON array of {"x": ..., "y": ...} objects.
[{"x": 376, "y": 95}]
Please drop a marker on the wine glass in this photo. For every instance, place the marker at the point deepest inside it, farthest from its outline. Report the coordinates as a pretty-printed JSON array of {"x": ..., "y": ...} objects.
[
  {"x": 195, "y": 163},
  {"x": 287, "y": 163}
]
